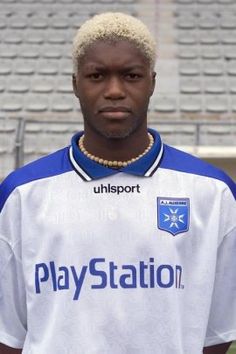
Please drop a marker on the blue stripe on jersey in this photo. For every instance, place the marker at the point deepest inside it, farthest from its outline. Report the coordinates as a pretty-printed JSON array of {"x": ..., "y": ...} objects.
[
  {"x": 181, "y": 161},
  {"x": 59, "y": 162},
  {"x": 48, "y": 166}
]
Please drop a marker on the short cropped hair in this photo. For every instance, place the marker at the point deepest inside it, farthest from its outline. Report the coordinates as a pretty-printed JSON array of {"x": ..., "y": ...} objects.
[{"x": 113, "y": 26}]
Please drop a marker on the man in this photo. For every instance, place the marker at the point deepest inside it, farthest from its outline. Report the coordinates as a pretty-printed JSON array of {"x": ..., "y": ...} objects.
[{"x": 119, "y": 243}]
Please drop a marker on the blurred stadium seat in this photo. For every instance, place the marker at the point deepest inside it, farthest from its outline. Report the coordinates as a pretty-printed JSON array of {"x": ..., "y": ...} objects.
[{"x": 195, "y": 100}]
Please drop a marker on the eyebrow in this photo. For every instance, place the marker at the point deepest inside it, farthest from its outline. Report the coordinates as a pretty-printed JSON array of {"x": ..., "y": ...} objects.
[
  {"x": 133, "y": 67},
  {"x": 94, "y": 66}
]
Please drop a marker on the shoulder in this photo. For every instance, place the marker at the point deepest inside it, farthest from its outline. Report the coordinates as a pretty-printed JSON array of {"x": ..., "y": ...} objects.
[
  {"x": 47, "y": 166},
  {"x": 178, "y": 160}
]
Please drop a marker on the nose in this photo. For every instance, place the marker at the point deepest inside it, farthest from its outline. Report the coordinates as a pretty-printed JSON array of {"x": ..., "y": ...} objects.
[{"x": 114, "y": 89}]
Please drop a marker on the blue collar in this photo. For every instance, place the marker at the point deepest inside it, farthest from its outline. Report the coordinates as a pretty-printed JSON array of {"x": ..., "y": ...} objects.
[{"x": 90, "y": 170}]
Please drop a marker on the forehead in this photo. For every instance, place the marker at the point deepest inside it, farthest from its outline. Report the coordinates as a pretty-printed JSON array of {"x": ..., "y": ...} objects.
[{"x": 120, "y": 53}]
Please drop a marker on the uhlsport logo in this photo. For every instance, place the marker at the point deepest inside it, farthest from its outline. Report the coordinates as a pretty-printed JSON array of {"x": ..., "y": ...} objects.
[
  {"x": 173, "y": 215},
  {"x": 109, "y": 188}
]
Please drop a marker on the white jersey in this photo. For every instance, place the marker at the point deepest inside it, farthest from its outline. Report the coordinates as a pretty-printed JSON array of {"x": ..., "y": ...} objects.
[{"x": 139, "y": 260}]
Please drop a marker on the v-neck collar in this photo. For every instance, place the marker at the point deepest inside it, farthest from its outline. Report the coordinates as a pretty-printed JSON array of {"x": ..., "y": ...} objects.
[{"x": 90, "y": 170}]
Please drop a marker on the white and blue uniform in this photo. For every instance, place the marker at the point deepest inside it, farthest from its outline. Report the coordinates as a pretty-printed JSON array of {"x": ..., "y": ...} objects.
[{"x": 139, "y": 260}]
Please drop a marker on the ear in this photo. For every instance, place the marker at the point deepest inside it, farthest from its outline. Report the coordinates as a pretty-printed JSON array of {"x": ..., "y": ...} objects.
[
  {"x": 74, "y": 83},
  {"x": 153, "y": 84}
]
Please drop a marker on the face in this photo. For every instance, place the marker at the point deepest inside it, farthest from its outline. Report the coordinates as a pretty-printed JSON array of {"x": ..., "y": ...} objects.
[{"x": 114, "y": 84}]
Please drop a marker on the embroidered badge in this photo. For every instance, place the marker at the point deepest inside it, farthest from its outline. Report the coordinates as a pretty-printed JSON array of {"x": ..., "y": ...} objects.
[{"x": 173, "y": 215}]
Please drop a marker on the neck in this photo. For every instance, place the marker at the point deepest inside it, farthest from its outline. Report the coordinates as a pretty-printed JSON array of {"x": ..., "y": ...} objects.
[{"x": 116, "y": 148}]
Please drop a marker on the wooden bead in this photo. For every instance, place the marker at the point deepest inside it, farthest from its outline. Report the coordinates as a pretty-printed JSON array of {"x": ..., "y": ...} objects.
[{"x": 114, "y": 163}]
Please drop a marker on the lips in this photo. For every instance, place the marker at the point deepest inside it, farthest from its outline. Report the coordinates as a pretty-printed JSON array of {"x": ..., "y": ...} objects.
[
  {"x": 114, "y": 109},
  {"x": 114, "y": 112}
]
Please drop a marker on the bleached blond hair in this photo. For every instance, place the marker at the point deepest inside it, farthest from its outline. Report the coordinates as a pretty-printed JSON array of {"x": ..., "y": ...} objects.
[{"x": 113, "y": 26}]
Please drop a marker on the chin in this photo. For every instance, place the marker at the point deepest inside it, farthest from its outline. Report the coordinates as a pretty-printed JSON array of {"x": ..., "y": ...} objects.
[
  {"x": 120, "y": 130},
  {"x": 117, "y": 134}
]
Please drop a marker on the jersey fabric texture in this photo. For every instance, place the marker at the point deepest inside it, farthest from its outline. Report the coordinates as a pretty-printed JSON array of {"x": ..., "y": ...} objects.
[{"x": 139, "y": 260}]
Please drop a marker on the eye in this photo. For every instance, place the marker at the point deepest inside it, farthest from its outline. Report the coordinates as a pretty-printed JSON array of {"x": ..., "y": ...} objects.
[
  {"x": 95, "y": 76},
  {"x": 133, "y": 76}
]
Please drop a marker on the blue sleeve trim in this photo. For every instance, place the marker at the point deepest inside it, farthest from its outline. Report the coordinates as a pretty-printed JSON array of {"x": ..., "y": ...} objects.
[
  {"x": 47, "y": 166},
  {"x": 181, "y": 161}
]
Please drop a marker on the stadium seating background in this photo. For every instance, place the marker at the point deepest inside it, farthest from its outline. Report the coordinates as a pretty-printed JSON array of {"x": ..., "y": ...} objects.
[{"x": 194, "y": 104}]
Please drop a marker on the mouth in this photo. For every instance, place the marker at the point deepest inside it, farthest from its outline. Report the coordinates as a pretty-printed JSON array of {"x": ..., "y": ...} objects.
[{"x": 116, "y": 112}]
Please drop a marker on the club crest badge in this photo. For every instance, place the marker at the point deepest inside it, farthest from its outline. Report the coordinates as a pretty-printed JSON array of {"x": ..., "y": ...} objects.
[{"x": 173, "y": 215}]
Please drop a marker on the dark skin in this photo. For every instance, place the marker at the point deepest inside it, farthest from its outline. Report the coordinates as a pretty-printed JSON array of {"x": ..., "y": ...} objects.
[
  {"x": 7, "y": 350},
  {"x": 114, "y": 92},
  {"x": 215, "y": 349},
  {"x": 114, "y": 85}
]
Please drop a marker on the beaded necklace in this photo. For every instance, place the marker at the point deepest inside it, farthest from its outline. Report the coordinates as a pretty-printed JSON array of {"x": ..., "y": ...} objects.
[{"x": 115, "y": 163}]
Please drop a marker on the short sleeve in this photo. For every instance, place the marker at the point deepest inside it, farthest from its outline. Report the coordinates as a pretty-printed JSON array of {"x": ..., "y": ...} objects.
[
  {"x": 222, "y": 320},
  {"x": 13, "y": 315}
]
